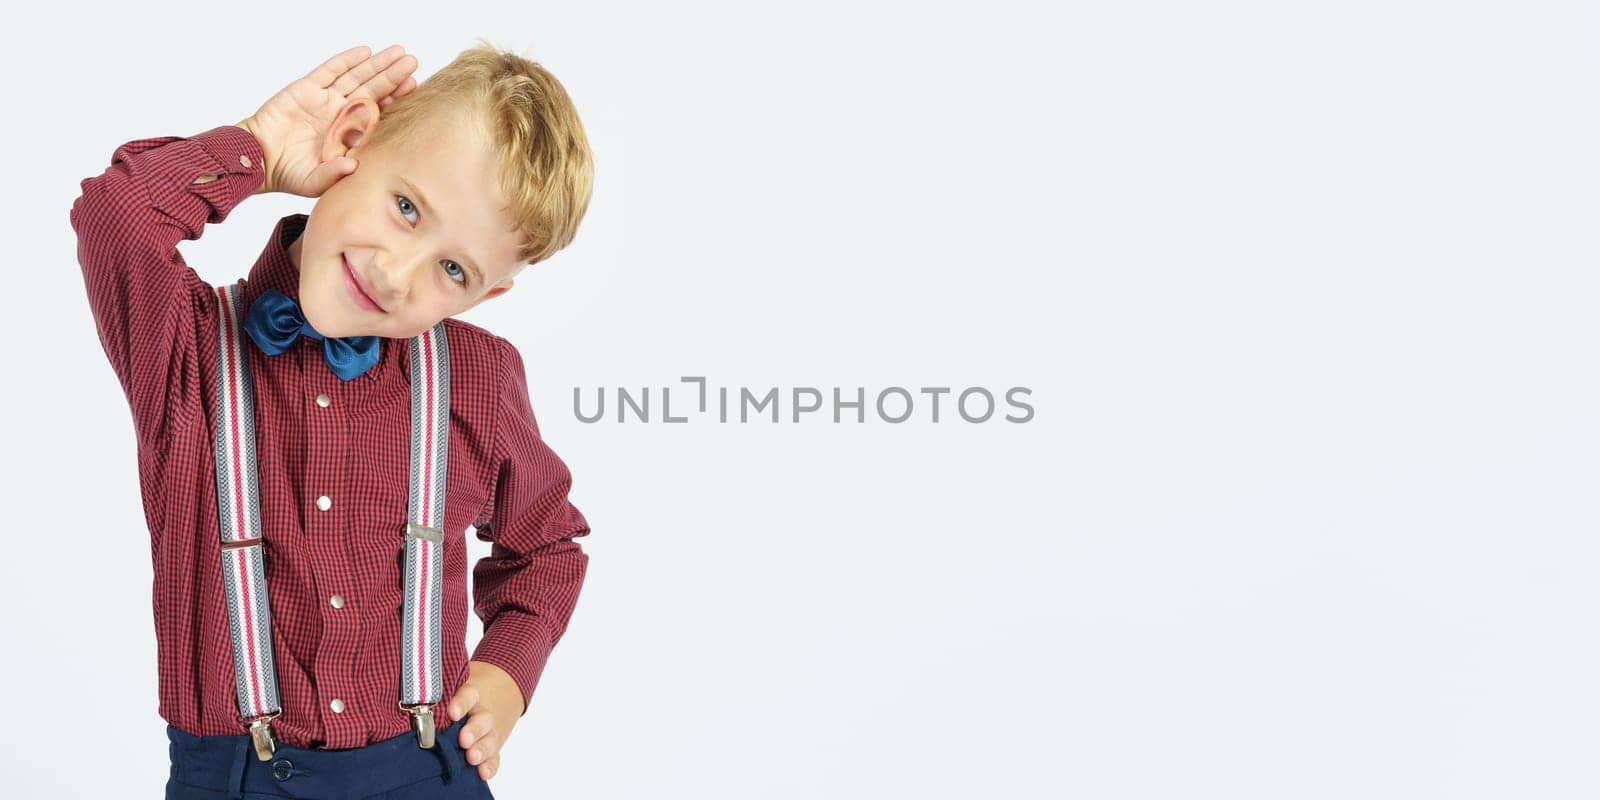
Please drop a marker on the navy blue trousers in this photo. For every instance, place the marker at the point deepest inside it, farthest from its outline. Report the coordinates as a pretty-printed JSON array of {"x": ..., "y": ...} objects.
[{"x": 218, "y": 767}]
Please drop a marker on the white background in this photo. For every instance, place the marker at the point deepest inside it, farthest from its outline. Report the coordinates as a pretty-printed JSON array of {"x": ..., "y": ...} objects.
[{"x": 1304, "y": 293}]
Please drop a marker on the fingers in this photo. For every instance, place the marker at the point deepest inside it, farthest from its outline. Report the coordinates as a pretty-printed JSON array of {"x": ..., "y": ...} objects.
[
  {"x": 358, "y": 73},
  {"x": 466, "y": 697},
  {"x": 479, "y": 739},
  {"x": 486, "y": 760},
  {"x": 481, "y": 754},
  {"x": 329, "y": 71},
  {"x": 328, "y": 173},
  {"x": 401, "y": 91},
  {"x": 390, "y": 79},
  {"x": 377, "y": 76}
]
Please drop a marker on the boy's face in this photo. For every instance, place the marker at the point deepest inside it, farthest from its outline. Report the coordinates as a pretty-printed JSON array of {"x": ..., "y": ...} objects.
[{"x": 426, "y": 233}]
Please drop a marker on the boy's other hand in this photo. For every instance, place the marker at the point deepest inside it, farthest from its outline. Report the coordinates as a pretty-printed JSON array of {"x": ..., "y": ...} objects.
[
  {"x": 492, "y": 703},
  {"x": 292, "y": 124}
]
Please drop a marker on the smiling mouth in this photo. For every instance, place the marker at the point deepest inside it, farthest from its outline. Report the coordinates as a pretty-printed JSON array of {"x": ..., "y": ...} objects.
[{"x": 350, "y": 275}]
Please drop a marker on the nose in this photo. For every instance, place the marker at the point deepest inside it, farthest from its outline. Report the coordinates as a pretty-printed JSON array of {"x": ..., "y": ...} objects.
[
  {"x": 382, "y": 285},
  {"x": 392, "y": 277}
]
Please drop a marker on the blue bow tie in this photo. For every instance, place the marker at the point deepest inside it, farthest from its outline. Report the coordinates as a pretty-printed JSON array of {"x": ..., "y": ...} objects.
[{"x": 275, "y": 322}]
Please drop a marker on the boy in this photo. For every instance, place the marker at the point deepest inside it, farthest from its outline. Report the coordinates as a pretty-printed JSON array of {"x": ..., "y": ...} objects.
[{"x": 309, "y": 592}]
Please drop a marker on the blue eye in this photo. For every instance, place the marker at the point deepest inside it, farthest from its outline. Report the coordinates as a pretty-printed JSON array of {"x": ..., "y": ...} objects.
[
  {"x": 405, "y": 204},
  {"x": 407, "y": 207}
]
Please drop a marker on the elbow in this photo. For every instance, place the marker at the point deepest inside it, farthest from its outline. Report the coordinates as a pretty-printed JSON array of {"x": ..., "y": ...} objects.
[{"x": 111, "y": 220}]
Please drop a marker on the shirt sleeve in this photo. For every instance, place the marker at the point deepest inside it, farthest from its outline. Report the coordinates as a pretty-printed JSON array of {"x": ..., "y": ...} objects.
[
  {"x": 147, "y": 302},
  {"x": 526, "y": 588}
]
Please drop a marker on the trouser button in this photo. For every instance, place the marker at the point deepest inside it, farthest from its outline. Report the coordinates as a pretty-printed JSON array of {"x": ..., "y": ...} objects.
[{"x": 280, "y": 769}]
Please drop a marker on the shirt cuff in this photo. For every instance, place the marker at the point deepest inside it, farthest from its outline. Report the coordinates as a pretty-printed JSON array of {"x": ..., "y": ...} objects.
[
  {"x": 517, "y": 642},
  {"x": 228, "y": 151}
]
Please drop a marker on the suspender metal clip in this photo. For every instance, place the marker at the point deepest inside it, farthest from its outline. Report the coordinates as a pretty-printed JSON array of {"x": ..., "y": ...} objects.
[
  {"x": 261, "y": 736},
  {"x": 422, "y": 723}
]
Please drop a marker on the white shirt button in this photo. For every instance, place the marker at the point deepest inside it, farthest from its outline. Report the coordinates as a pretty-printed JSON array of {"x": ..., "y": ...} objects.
[
  {"x": 323, "y": 503},
  {"x": 244, "y": 161},
  {"x": 337, "y": 705},
  {"x": 322, "y": 400},
  {"x": 336, "y": 601}
]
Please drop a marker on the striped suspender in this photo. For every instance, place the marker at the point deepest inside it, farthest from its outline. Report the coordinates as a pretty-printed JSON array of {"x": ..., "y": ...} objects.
[
  {"x": 421, "y": 684},
  {"x": 239, "y": 518},
  {"x": 244, "y": 582}
]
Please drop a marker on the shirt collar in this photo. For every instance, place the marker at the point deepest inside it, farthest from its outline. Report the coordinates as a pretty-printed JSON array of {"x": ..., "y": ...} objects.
[{"x": 274, "y": 270}]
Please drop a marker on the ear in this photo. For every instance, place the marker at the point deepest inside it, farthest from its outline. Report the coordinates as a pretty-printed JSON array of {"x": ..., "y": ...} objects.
[
  {"x": 495, "y": 292},
  {"x": 350, "y": 127}
]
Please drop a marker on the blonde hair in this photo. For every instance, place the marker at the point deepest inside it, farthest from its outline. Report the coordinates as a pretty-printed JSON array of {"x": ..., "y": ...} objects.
[{"x": 546, "y": 170}]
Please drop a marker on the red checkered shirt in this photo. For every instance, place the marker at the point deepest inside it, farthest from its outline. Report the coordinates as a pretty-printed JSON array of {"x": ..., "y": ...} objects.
[{"x": 334, "y": 577}]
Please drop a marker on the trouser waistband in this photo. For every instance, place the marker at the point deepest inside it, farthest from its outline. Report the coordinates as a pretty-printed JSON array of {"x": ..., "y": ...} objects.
[{"x": 229, "y": 764}]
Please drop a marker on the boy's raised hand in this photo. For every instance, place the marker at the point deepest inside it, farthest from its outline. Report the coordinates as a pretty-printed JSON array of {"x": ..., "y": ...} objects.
[{"x": 292, "y": 125}]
